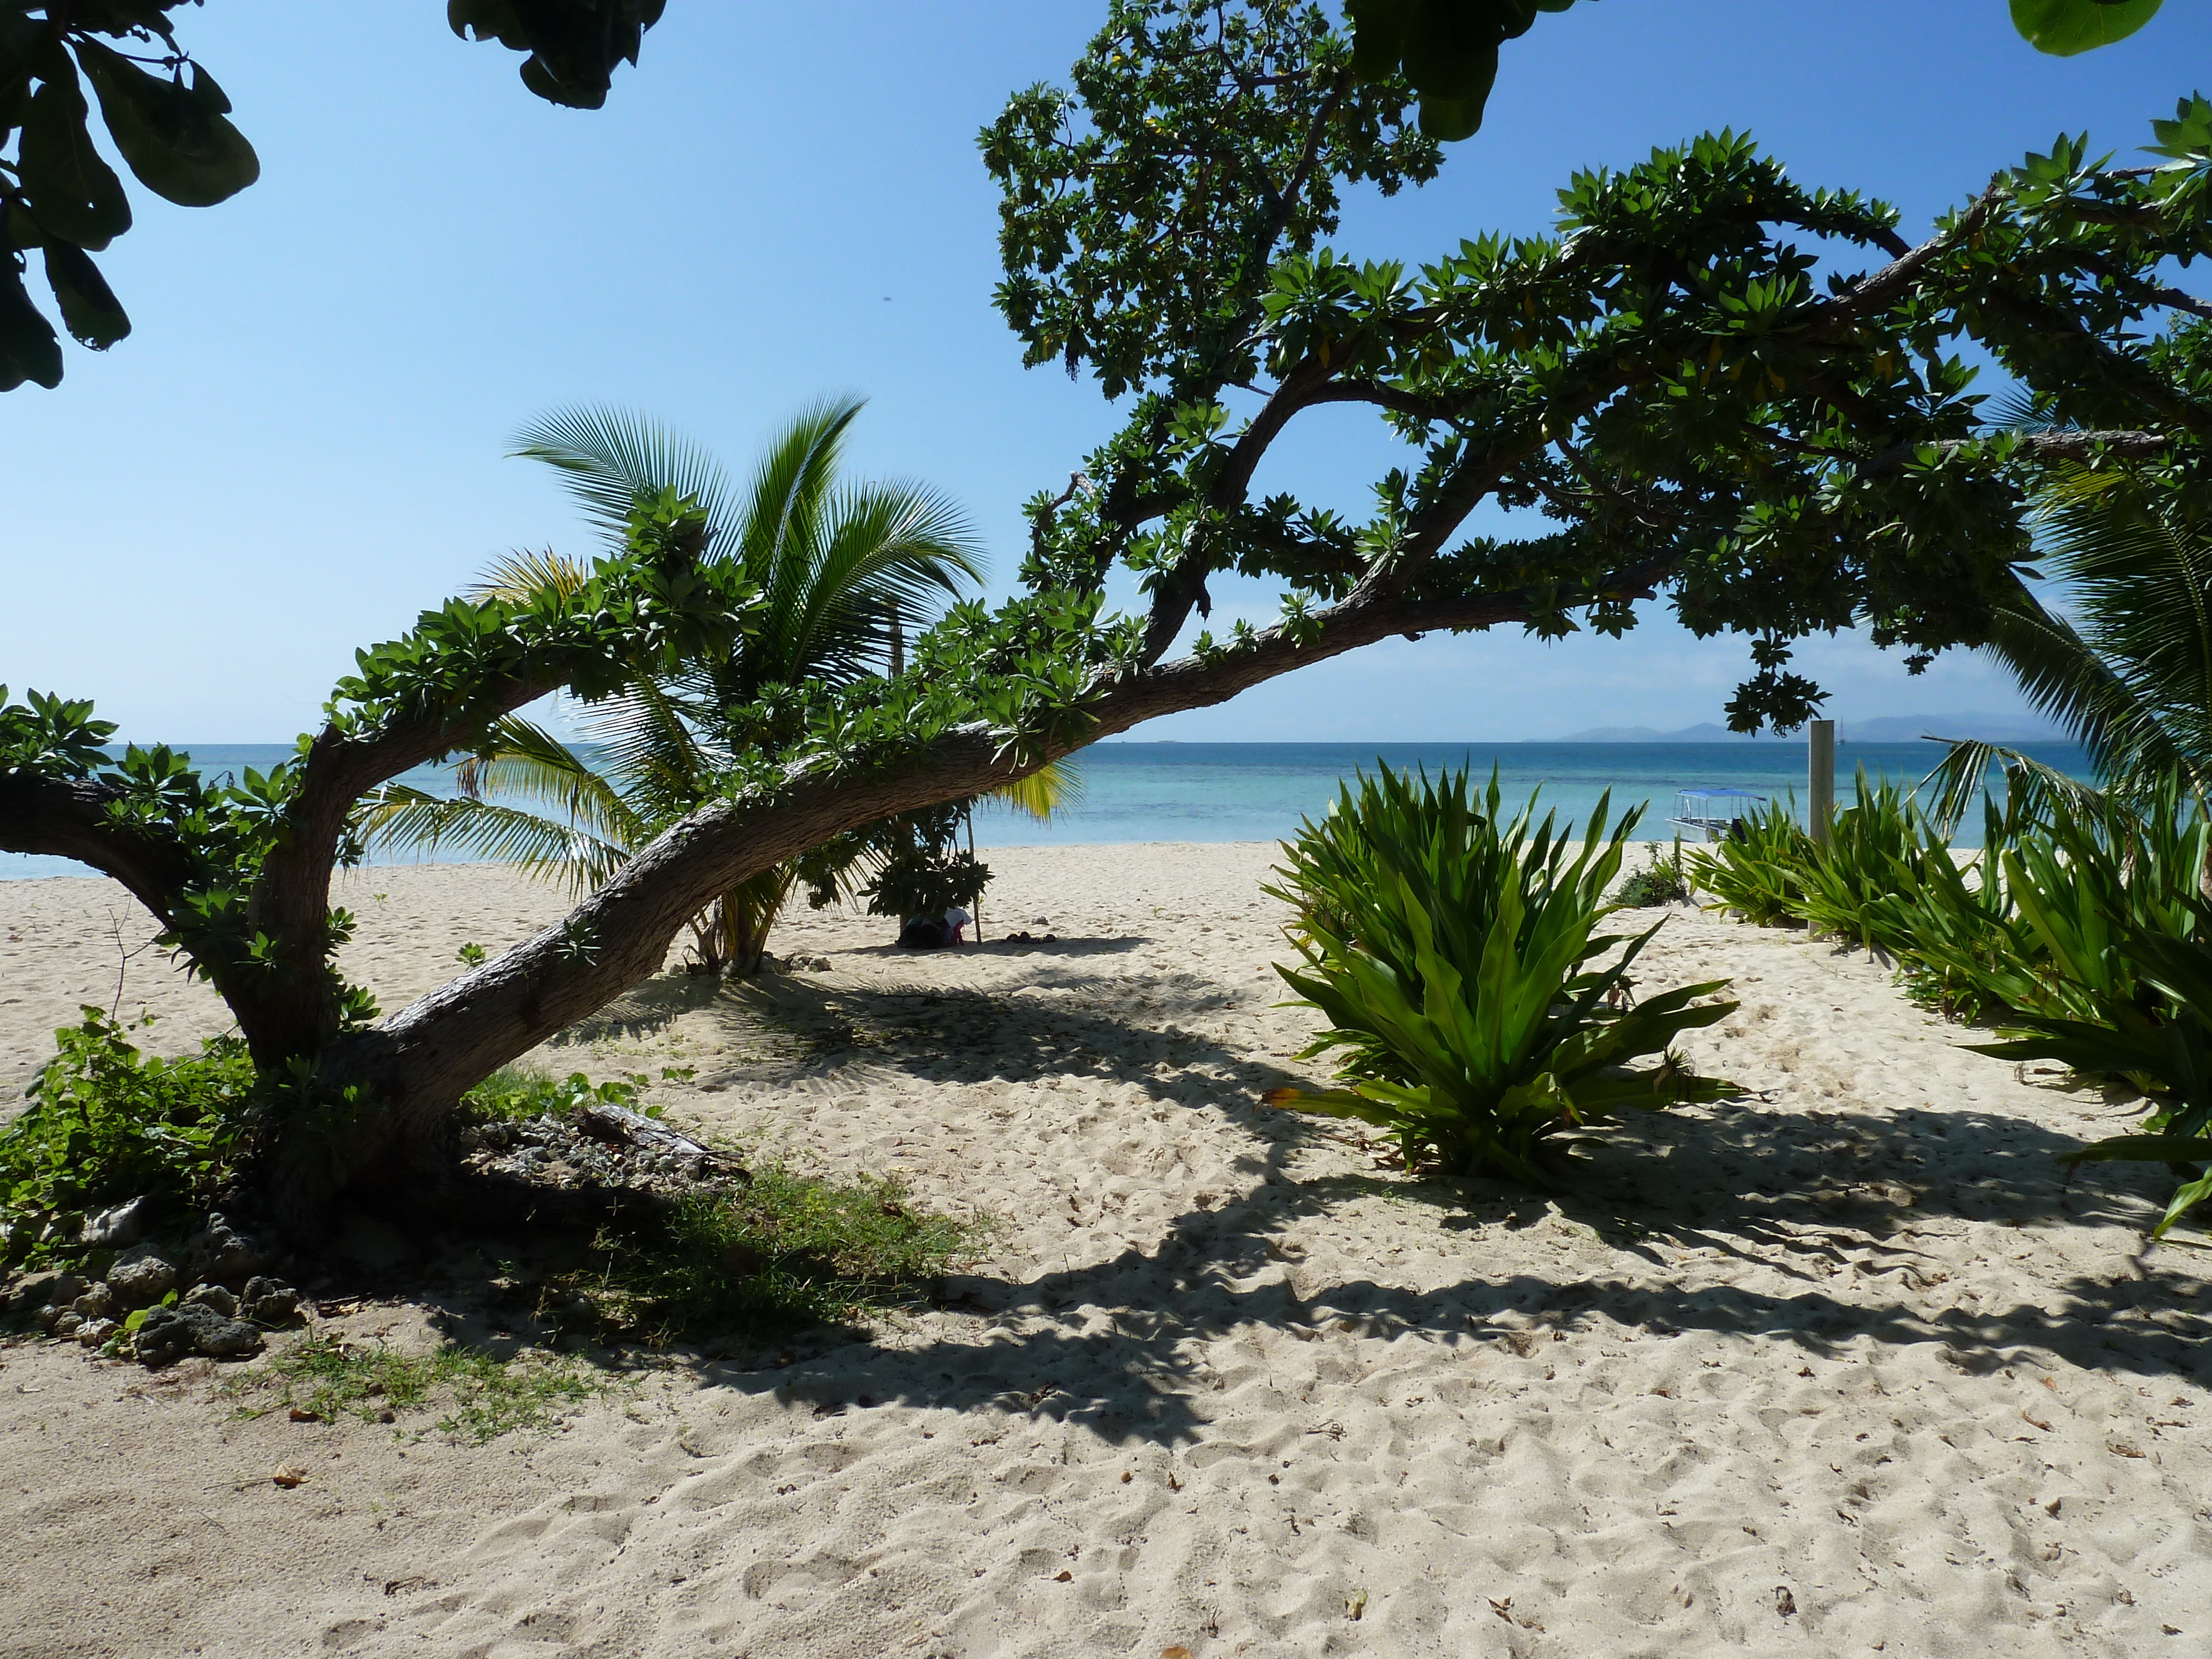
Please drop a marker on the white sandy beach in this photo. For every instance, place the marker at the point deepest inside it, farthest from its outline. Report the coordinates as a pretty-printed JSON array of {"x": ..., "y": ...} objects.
[{"x": 1845, "y": 1368}]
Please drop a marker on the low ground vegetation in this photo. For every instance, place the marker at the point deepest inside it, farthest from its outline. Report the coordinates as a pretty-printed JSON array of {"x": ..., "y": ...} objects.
[
  {"x": 107, "y": 1125},
  {"x": 111, "y": 1173},
  {"x": 478, "y": 1395},
  {"x": 1662, "y": 881}
]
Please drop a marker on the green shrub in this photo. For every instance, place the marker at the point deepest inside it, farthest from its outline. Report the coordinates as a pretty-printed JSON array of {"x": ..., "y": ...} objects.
[
  {"x": 2039, "y": 930},
  {"x": 1962, "y": 947},
  {"x": 2028, "y": 928},
  {"x": 2095, "y": 878},
  {"x": 1456, "y": 963},
  {"x": 1757, "y": 871},
  {"x": 106, "y": 1124},
  {"x": 1877, "y": 849},
  {"x": 1662, "y": 881}
]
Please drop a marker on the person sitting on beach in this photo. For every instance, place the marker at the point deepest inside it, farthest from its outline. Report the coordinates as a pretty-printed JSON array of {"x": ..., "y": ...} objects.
[{"x": 934, "y": 932}]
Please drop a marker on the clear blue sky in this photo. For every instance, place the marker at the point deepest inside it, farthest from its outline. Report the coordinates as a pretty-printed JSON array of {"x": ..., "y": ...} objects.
[{"x": 302, "y": 443}]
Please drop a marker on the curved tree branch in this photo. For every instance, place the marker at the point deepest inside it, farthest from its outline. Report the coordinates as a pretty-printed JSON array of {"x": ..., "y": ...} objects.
[
  {"x": 69, "y": 818},
  {"x": 422, "y": 1057}
]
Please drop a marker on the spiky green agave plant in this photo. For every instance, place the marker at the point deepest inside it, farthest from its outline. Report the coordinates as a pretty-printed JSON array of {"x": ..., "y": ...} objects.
[
  {"x": 1456, "y": 962},
  {"x": 2169, "y": 1048},
  {"x": 1758, "y": 871}
]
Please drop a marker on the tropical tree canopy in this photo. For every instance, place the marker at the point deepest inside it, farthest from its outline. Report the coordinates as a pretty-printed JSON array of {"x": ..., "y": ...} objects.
[{"x": 169, "y": 119}]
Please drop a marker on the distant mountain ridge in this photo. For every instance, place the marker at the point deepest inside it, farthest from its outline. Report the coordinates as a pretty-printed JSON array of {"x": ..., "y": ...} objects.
[{"x": 1885, "y": 728}]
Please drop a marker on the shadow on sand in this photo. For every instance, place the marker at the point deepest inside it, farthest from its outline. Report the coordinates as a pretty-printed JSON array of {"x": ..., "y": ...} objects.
[{"x": 1838, "y": 1204}]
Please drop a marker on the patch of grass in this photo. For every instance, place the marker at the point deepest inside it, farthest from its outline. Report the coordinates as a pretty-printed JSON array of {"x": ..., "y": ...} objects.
[
  {"x": 784, "y": 1249},
  {"x": 481, "y": 1395}
]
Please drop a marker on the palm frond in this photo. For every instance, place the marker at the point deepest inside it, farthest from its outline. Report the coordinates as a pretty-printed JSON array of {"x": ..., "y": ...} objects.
[
  {"x": 781, "y": 520},
  {"x": 396, "y": 816},
  {"x": 2139, "y": 568},
  {"x": 2071, "y": 679},
  {"x": 2034, "y": 793},
  {"x": 651, "y": 749},
  {"x": 518, "y": 576},
  {"x": 1048, "y": 792},
  {"x": 525, "y": 765},
  {"x": 2023, "y": 410},
  {"x": 610, "y": 457},
  {"x": 878, "y": 545}
]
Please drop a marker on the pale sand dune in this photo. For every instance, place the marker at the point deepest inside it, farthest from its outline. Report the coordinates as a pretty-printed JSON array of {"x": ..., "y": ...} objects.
[{"x": 1853, "y": 1341}]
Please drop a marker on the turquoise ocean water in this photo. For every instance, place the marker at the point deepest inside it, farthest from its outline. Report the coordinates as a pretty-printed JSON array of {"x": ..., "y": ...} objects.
[{"x": 1216, "y": 792}]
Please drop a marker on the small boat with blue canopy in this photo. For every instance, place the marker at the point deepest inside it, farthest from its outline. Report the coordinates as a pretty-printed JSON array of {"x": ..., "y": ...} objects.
[{"x": 1713, "y": 813}]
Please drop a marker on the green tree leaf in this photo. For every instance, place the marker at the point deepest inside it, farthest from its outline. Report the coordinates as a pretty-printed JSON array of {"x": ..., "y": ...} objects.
[
  {"x": 573, "y": 44},
  {"x": 1445, "y": 49},
  {"x": 89, "y": 306},
  {"x": 2064, "y": 27},
  {"x": 72, "y": 192},
  {"x": 29, "y": 348},
  {"x": 175, "y": 136}
]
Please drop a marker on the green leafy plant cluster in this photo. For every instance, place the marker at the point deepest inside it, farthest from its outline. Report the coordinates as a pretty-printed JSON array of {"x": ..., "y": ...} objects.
[
  {"x": 1662, "y": 881},
  {"x": 1754, "y": 871},
  {"x": 571, "y": 48},
  {"x": 1876, "y": 849},
  {"x": 1447, "y": 50},
  {"x": 206, "y": 839},
  {"x": 165, "y": 115},
  {"x": 516, "y": 1091},
  {"x": 2031, "y": 925},
  {"x": 169, "y": 121},
  {"x": 2082, "y": 929},
  {"x": 105, "y": 1123},
  {"x": 2167, "y": 1047},
  {"x": 918, "y": 871},
  {"x": 1477, "y": 1014}
]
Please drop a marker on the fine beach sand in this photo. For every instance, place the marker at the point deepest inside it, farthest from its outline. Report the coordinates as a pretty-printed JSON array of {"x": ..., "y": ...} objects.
[{"x": 1845, "y": 1368}]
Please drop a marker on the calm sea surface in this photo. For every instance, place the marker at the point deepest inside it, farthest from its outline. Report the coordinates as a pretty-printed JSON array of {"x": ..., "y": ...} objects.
[{"x": 1213, "y": 792}]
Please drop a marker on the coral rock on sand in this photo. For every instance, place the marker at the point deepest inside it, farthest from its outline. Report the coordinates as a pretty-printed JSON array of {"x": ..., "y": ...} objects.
[
  {"x": 266, "y": 1302},
  {"x": 141, "y": 1278},
  {"x": 126, "y": 1224},
  {"x": 221, "y": 1252},
  {"x": 169, "y": 1333},
  {"x": 212, "y": 1296}
]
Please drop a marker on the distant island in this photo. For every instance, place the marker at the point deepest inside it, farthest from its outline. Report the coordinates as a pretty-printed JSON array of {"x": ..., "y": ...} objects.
[{"x": 1886, "y": 728}]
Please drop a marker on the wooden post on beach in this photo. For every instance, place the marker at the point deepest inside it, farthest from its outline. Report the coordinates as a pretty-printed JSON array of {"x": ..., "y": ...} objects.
[{"x": 1820, "y": 777}]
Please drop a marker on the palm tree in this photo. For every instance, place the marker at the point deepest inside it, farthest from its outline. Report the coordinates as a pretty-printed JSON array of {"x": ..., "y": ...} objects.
[
  {"x": 838, "y": 565},
  {"x": 2129, "y": 677}
]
